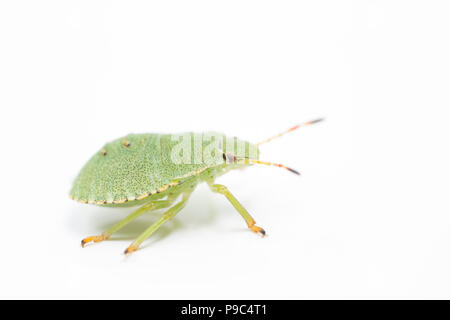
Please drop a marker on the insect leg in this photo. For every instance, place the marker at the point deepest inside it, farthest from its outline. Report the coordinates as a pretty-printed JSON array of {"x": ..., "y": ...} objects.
[
  {"x": 238, "y": 206},
  {"x": 155, "y": 226},
  {"x": 152, "y": 205}
]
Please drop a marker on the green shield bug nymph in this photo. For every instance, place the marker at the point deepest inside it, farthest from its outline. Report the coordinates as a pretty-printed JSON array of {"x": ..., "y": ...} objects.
[{"x": 154, "y": 170}]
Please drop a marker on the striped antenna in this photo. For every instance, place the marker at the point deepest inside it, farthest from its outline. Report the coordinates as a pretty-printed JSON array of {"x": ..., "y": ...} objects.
[
  {"x": 252, "y": 161},
  {"x": 304, "y": 124}
]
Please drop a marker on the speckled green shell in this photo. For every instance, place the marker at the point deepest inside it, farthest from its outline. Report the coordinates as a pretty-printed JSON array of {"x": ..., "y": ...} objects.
[{"x": 132, "y": 168}]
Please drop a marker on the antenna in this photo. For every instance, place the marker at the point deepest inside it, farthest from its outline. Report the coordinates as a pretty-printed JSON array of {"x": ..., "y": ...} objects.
[
  {"x": 304, "y": 124},
  {"x": 253, "y": 161}
]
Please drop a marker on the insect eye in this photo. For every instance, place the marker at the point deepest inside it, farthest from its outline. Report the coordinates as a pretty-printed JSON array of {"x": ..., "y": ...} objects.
[
  {"x": 224, "y": 157},
  {"x": 103, "y": 152},
  {"x": 231, "y": 158}
]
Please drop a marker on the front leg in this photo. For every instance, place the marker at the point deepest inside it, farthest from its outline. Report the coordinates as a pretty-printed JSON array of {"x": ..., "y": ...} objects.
[{"x": 218, "y": 188}]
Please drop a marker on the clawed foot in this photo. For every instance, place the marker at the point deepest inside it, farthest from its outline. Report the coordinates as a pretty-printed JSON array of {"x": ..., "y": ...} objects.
[
  {"x": 93, "y": 239},
  {"x": 258, "y": 230},
  {"x": 132, "y": 248}
]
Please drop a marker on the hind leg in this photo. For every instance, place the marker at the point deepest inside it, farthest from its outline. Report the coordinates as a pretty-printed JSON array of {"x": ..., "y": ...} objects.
[
  {"x": 150, "y": 206},
  {"x": 218, "y": 188},
  {"x": 155, "y": 226}
]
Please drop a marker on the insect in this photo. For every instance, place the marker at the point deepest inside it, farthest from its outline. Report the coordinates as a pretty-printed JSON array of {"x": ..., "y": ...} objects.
[{"x": 157, "y": 171}]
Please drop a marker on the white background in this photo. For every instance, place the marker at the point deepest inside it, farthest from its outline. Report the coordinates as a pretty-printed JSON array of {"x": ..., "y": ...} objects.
[{"x": 369, "y": 218}]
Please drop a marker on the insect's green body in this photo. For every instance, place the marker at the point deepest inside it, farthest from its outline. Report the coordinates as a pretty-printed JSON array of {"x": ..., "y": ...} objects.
[
  {"x": 155, "y": 170},
  {"x": 137, "y": 168}
]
